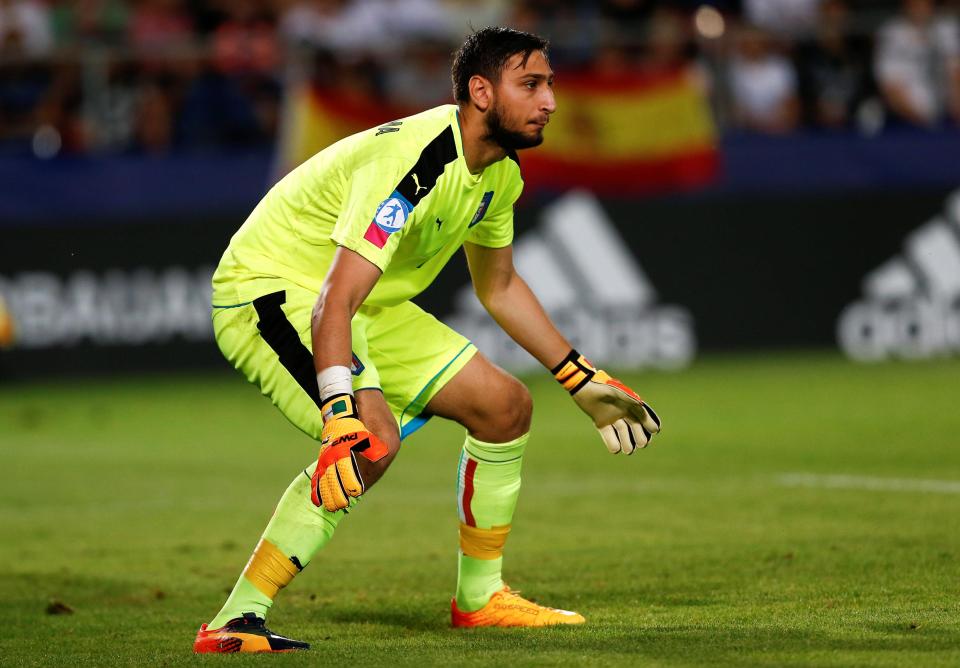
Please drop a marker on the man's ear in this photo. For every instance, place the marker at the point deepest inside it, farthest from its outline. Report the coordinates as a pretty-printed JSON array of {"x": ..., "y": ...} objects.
[{"x": 481, "y": 92}]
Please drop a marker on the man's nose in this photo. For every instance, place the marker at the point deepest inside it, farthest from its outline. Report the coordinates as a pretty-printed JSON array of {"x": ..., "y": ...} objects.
[{"x": 549, "y": 103}]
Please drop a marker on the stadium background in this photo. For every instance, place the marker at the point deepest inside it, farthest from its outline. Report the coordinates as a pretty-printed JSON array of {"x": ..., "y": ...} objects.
[
  {"x": 764, "y": 163},
  {"x": 751, "y": 209}
]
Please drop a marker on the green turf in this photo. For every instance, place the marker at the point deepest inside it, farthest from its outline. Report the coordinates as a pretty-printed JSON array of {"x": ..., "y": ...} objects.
[{"x": 136, "y": 504}]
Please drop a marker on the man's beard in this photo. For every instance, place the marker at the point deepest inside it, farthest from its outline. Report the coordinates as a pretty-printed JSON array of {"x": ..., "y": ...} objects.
[{"x": 509, "y": 140}]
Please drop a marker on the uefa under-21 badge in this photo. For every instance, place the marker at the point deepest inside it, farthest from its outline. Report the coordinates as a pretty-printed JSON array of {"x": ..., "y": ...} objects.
[
  {"x": 389, "y": 217},
  {"x": 392, "y": 214}
]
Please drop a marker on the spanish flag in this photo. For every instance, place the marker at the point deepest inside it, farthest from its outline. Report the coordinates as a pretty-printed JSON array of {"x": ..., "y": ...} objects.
[{"x": 621, "y": 135}]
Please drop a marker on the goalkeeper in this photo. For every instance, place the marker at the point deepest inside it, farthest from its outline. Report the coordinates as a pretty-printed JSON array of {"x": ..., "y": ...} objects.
[{"x": 312, "y": 304}]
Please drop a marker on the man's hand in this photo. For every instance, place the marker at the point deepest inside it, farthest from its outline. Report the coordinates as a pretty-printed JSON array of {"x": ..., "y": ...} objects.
[
  {"x": 337, "y": 477},
  {"x": 623, "y": 419}
]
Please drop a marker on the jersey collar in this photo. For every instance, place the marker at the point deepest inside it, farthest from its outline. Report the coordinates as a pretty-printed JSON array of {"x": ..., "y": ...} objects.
[{"x": 458, "y": 140}]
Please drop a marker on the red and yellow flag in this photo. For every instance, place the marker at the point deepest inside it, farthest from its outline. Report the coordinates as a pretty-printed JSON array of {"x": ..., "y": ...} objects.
[{"x": 623, "y": 135}]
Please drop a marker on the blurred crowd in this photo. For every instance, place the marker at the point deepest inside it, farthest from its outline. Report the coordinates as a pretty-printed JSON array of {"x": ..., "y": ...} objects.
[{"x": 150, "y": 76}]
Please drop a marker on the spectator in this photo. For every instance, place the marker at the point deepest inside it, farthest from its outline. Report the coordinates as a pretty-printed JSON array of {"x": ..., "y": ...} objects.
[
  {"x": 786, "y": 18},
  {"x": 917, "y": 64},
  {"x": 763, "y": 85},
  {"x": 247, "y": 53},
  {"x": 112, "y": 116},
  {"x": 176, "y": 91},
  {"x": 834, "y": 69},
  {"x": 465, "y": 14},
  {"x": 24, "y": 28},
  {"x": 412, "y": 19},
  {"x": 218, "y": 111},
  {"x": 572, "y": 26},
  {"x": 628, "y": 14},
  {"x": 25, "y": 79},
  {"x": 666, "y": 44},
  {"x": 378, "y": 27},
  {"x": 526, "y": 15},
  {"x": 614, "y": 60},
  {"x": 207, "y": 15},
  {"x": 245, "y": 43},
  {"x": 162, "y": 32},
  {"x": 313, "y": 23},
  {"x": 153, "y": 128},
  {"x": 160, "y": 24},
  {"x": 424, "y": 79},
  {"x": 83, "y": 21},
  {"x": 356, "y": 46}
]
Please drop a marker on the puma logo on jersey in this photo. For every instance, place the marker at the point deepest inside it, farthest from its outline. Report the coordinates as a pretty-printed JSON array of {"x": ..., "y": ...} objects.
[
  {"x": 388, "y": 127},
  {"x": 416, "y": 182}
]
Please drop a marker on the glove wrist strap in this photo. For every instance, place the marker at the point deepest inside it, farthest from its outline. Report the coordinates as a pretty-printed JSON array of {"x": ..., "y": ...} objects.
[
  {"x": 339, "y": 406},
  {"x": 573, "y": 372}
]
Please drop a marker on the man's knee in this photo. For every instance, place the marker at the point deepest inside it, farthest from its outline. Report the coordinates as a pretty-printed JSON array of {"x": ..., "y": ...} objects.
[
  {"x": 522, "y": 411},
  {"x": 494, "y": 406},
  {"x": 507, "y": 412}
]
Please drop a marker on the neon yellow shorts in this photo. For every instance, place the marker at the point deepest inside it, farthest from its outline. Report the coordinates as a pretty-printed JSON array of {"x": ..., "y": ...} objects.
[{"x": 402, "y": 350}]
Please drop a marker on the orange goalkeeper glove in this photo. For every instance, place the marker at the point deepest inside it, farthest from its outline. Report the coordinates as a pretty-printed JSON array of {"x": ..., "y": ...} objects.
[
  {"x": 337, "y": 477},
  {"x": 624, "y": 420}
]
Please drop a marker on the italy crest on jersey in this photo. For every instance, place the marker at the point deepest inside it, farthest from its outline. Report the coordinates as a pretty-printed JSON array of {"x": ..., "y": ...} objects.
[
  {"x": 391, "y": 215},
  {"x": 482, "y": 209},
  {"x": 356, "y": 366}
]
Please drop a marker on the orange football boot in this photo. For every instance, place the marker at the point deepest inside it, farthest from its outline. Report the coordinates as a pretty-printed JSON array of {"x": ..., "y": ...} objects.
[
  {"x": 508, "y": 608},
  {"x": 243, "y": 634}
]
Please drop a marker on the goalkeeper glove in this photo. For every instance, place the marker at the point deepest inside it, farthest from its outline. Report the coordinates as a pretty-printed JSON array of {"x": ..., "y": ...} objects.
[
  {"x": 623, "y": 419},
  {"x": 337, "y": 477}
]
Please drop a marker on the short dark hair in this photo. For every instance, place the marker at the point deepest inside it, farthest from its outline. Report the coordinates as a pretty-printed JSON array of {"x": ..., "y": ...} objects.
[{"x": 486, "y": 52}]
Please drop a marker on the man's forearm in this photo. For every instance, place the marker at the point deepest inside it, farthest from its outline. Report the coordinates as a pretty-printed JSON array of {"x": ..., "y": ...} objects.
[
  {"x": 330, "y": 334},
  {"x": 518, "y": 311},
  {"x": 349, "y": 281},
  {"x": 337, "y": 478}
]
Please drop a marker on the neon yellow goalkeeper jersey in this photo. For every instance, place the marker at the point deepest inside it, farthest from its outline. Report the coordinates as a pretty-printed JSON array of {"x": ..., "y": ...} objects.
[{"x": 400, "y": 195}]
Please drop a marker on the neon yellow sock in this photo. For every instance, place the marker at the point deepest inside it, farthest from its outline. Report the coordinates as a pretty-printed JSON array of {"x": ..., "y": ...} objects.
[
  {"x": 296, "y": 532},
  {"x": 477, "y": 581},
  {"x": 488, "y": 486}
]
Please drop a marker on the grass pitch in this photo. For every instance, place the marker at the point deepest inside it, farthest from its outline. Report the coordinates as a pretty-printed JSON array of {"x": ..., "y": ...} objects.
[{"x": 797, "y": 510}]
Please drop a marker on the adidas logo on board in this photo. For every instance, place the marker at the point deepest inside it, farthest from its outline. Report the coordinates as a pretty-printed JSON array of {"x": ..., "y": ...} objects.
[{"x": 911, "y": 304}]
